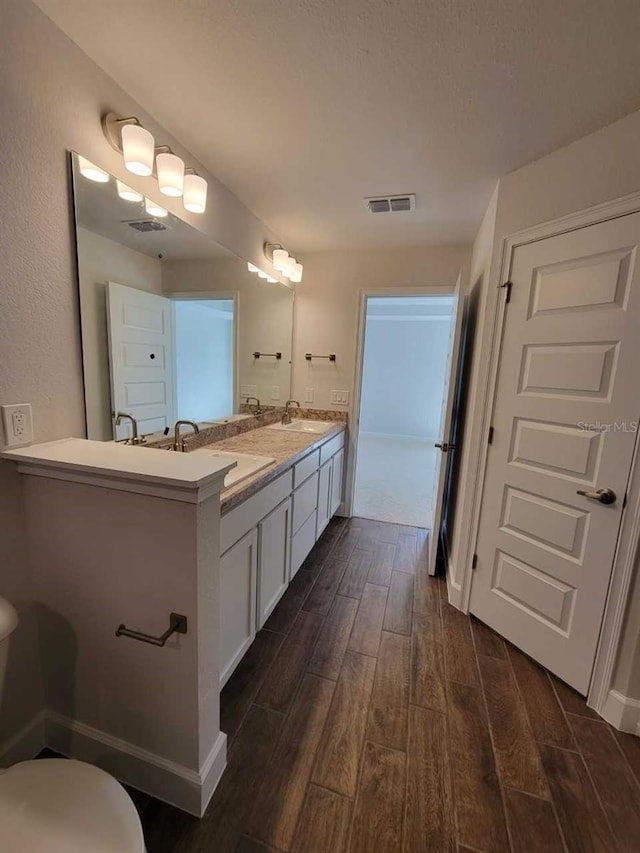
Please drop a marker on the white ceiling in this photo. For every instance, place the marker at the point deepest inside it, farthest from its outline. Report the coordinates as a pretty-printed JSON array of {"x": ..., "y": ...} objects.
[{"x": 303, "y": 107}]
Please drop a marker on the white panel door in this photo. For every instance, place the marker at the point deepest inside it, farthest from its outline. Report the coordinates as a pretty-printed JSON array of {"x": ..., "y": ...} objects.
[
  {"x": 446, "y": 424},
  {"x": 140, "y": 358},
  {"x": 565, "y": 417}
]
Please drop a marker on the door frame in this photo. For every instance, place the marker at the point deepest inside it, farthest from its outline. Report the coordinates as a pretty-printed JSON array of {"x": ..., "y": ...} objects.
[
  {"x": 628, "y": 543},
  {"x": 205, "y": 296},
  {"x": 354, "y": 409}
]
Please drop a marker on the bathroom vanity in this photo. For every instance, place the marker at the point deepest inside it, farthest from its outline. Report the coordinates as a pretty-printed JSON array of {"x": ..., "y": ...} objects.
[{"x": 130, "y": 537}]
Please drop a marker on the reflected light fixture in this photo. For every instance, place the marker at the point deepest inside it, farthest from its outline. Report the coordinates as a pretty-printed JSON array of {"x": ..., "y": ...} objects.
[
  {"x": 154, "y": 209},
  {"x": 252, "y": 267},
  {"x": 283, "y": 262},
  {"x": 262, "y": 274},
  {"x": 195, "y": 192},
  {"x": 289, "y": 267},
  {"x": 170, "y": 169},
  {"x": 127, "y": 194},
  {"x": 296, "y": 276},
  {"x": 92, "y": 172},
  {"x": 272, "y": 280}
]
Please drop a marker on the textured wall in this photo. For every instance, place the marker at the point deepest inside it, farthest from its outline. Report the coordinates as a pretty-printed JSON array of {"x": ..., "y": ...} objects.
[{"x": 52, "y": 97}]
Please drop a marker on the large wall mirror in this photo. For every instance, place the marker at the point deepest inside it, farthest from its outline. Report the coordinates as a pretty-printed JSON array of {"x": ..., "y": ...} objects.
[{"x": 174, "y": 326}]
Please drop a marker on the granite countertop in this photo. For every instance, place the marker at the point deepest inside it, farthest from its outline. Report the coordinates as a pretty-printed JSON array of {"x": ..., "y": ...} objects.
[{"x": 286, "y": 448}]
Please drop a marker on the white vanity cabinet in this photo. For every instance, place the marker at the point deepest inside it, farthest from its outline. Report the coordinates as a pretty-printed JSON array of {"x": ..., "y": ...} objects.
[
  {"x": 265, "y": 540},
  {"x": 238, "y": 575},
  {"x": 274, "y": 543}
]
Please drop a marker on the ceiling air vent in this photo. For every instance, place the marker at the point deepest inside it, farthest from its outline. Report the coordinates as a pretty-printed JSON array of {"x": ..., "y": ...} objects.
[
  {"x": 146, "y": 225},
  {"x": 391, "y": 203}
]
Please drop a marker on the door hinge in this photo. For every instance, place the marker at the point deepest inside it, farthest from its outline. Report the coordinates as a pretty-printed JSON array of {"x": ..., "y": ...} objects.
[
  {"x": 508, "y": 285},
  {"x": 474, "y": 562},
  {"x": 490, "y": 439}
]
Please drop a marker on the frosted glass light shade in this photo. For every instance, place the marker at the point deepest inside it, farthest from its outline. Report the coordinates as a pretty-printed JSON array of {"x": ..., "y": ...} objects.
[
  {"x": 92, "y": 172},
  {"x": 170, "y": 170},
  {"x": 137, "y": 149},
  {"x": 271, "y": 279},
  {"x": 126, "y": 193},
  {"x": 252, "y": 267},
  {"x": 195, "y": 193},
  {"x": 262, "y": 274},
  {"x": 280, "y": 258},
  {"x": 289, "y": 267},
  {"x": 296, "y": 277},
  {"x": 154, "y": 209}
]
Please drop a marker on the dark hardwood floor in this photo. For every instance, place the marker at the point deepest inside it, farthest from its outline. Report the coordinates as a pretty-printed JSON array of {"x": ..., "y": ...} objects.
[{"x": 371, "y": 716}]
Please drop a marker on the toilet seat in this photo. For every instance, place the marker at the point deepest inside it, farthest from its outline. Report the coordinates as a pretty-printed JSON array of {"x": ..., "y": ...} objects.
[{"x": 57, "y": 805}]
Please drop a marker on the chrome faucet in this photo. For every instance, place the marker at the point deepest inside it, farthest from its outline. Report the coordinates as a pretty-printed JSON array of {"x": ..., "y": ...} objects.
[
  {"x": 135, "y": 438},
  {"x": 258, "y": 410},
  {"x": 180, "y": 443},
  {"x": 286, "y": 415}
]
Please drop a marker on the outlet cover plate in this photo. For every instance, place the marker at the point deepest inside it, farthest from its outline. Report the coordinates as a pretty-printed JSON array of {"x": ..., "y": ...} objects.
[{"x": 17, "y": 424}]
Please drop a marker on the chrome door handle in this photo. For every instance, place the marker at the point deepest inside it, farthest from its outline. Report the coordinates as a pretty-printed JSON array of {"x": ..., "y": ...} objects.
[
  {"x": 603, "y": 496},
  {"x": 445, "y": 446}
]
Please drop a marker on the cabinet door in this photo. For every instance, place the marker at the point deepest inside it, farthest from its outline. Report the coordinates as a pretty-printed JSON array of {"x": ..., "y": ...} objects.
[
  {"x": 325, "y": 497},
  {"x": 274, "y": 536},
  {"x": 238, "y": 571},
  {"x": 336, "y": 482}
]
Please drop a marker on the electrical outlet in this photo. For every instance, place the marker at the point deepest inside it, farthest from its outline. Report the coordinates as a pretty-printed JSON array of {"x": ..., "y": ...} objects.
[
  {"x": 275, "y": 392},
  {"x": 308, "y": 395},
  {"x": 340, "y": 398},
  {"x": 18, "y": 425},
  {"x": 248, "y": 391}
]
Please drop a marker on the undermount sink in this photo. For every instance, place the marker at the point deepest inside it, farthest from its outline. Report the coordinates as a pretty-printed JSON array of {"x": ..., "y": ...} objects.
[
  {"x": 246, "y": 464},
  {"x": 317, "y": 427}
]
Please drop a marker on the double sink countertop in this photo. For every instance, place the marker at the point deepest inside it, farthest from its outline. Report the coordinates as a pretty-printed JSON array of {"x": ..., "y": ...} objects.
[{"x": 285, "y": 447}]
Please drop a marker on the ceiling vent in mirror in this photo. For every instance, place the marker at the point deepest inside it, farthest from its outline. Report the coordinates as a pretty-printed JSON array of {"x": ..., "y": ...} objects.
[
  {"x": 146, "y": 225},
  {"x": 391, "y": 203}
]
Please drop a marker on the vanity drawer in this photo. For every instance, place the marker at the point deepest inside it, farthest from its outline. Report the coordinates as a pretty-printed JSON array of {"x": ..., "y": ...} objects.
[
  {"x": 331, "y": 447},
  {"x": 303, "y": 542},
  {"x": 305, "y": 467},
  {"x": 234, "y": 524},
  {"x": 305, "y": 501}
]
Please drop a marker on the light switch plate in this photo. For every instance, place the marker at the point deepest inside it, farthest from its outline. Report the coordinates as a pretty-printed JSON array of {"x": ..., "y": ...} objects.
[
  {"x": 17, "y": 425},
  {"x": 340, "y": 398},
  {"x": 275, "y": 392},
  {"x": 308, "y": 395}
]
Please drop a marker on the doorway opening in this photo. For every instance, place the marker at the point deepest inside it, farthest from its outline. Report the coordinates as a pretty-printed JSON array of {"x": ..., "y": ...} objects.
[
  {"x": 204, "y": 348},
  {"x": 406, "y": 359}
]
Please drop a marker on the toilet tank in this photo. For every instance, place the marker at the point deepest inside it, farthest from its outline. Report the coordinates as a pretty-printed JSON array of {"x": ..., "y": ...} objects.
[{"x": 8, "y": 622}]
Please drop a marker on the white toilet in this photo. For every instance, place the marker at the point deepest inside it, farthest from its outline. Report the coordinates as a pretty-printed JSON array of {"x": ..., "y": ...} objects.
[{"x": 59, "y": 805}]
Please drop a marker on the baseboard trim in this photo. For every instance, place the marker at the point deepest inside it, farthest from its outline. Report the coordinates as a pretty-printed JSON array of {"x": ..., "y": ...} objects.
[
  {"x": 622, "y": 712},
  {"x": 173, "y": 783},
  {"x": 26, "y": 743}
]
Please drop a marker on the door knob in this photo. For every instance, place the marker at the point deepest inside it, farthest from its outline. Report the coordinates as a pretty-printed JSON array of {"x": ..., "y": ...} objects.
[
  {"x": 445, "y": 447},
  {"x": 603, "y": 496}
]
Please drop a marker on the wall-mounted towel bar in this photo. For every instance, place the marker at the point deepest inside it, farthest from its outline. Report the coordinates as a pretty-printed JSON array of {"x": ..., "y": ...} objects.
[
  {"x": 331, "y": 356},
  {"x": 277, "y": 355},
  {"x": 177, "y": 625}
]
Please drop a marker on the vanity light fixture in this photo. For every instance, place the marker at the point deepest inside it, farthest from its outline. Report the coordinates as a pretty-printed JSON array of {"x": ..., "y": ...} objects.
[
  {"x": 283, "y": 262},
  {"x": 154, "y": 209},
  {"x": 262, "y": 274},
  {"x": 195, "y": 192},
  {"x": 127, "y": 194},
  {"x": 252, "y": 267},
  {"x": 170, "y": 169},
  {"x": 138, "y": 148},
  {"x": 92, "y": 172},
  {"x": 272, "y": 280}
]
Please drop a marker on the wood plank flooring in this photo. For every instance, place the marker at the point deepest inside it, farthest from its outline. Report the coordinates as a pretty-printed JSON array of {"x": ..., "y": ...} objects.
[{"x": 370, "y": 715}]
